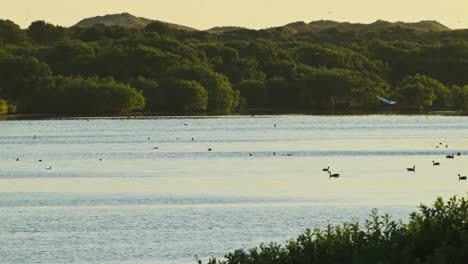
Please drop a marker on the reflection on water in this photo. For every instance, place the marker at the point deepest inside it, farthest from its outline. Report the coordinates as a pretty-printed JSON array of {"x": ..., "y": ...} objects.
[{"x": 142, "y": 191}]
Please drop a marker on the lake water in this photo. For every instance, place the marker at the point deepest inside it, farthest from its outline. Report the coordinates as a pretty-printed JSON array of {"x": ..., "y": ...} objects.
[{"x": 142, "y": 191}]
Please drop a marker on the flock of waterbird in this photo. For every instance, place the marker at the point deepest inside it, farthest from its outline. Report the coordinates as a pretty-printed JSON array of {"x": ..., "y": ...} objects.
[
  {"x": 436, "y": 163},
  {"x": 331, "y": 175},
  {"x": 411, "y": 169}
]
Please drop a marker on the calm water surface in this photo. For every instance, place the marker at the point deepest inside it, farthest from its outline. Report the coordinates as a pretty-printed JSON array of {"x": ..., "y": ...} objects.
[{"x": 142, "y": 191}]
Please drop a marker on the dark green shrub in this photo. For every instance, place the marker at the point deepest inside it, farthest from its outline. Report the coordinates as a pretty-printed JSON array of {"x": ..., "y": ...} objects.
[{"x": 437, "y": 234}]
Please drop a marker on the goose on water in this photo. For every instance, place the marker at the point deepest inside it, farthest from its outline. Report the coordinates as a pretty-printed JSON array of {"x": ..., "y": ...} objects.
[
  {"x": 461, "y": 178},
  {"x": 435, "y": 163},
  {"x": 334, "y": 175},
  {"x": 326, "y": 169},
  {"x": 412, "y": 169},
  {"x": 450, "y": 156}
]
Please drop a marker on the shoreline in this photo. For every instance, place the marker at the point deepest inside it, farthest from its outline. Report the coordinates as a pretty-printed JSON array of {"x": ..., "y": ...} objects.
[{"x": 243, "y": 114}]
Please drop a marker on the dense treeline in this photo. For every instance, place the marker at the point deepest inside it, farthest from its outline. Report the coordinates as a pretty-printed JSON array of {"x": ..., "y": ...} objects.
[
  {"x": 437, "y": 234},
  {"x": 111, "y": 69}
]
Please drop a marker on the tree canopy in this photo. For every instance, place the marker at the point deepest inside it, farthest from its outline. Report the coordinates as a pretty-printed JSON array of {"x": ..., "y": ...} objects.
[{"x": 222, "y": 72}]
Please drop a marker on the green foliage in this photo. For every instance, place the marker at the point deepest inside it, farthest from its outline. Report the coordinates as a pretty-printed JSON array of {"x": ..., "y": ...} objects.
[
  {"x": 437, "y": 234},
  {"x": 254, "y": 91},
  {"x": 77, "y": 95},
  {"x": 70, "y": 57},
  {"x": 338, "y": 88},
  {"x": 11, "y": 109},
  {"x": 458, "y": 97},
  {"x": 10, "y": 33},
  {"x": 336, "y": 57},
  {"x": 3, "y": 107},
  {"x": 158, "y": 27},
  {"x": 282, "y": 94},
  {"x": 221, "y": 97},
  {"x": 42, "y": 32},
  {"x": 21, "y": 78},
  {"x": 226, "y": 60},
  {"x": 185, "y": 96},
  {"x": 419, "y": 92},
  {"x": 99, "y": 32},
  {"x": 152, "y": 92},
  {"x": 321, "y": 66}
]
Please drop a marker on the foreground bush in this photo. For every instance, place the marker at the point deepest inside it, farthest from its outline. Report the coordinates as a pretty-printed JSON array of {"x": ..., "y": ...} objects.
[{"x": 437, "y": 234}]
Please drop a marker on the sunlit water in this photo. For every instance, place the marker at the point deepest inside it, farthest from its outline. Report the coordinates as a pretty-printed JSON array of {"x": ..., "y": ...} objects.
[{"x": 158, "y": 196}]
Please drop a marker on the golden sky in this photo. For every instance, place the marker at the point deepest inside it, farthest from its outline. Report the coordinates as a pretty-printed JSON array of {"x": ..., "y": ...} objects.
[{"x": 204, "y": 14}]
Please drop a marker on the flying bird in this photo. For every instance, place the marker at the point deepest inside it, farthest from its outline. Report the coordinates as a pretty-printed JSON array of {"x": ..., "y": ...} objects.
[{"x": 385, "y": 101}]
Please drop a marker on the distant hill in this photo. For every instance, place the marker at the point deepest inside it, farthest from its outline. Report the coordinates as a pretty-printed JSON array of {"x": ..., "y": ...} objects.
[
  {"x": 316, "y": 26},
  {"x": 219, "y": 30},
  {"x": 128, "y": 20},
  {"x": 125, "y": 20}
]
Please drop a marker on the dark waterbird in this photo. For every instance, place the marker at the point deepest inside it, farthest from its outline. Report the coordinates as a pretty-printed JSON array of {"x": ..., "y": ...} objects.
[
  {"x": 412, "y": 169},
  {"x": 209, "y": 149},
  {"x": 334, "y": 175},
  {"x": 450, "y": 156},
  {"x": 461, "y": 178},
  {"x": 40, "y": 160},
  {"x": 326, "y": 169},
  {"x": 49, "y": 168},
  {"x": 435, "y": 163}
]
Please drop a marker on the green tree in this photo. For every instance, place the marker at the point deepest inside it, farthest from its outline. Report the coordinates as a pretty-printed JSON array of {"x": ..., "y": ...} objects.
[
  {"x": 76, "y": 95},
  {"x": 340, "y": 89},
  {"x": 72, "y": 57},
  {"x": 101, "y": 32},
  {"x": 458, "y": 97},
  {"x": 43, "y": 33},
  {"x": 158, "y": 27},
  {"x": 155, "y": 99},
  {"x": 418, "y": 91},
  {"x": 10, "y": 33},
  {"x": 3, "y": 107},
  {"x": 336, "y": 57},
  {"x": 185, "y": 96},
  {"x": 221, "y": 97},
  {"x": 22, "y": 78},
  {"x": 254, "y": 91},
  {"x": 282, "y": 94}
]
